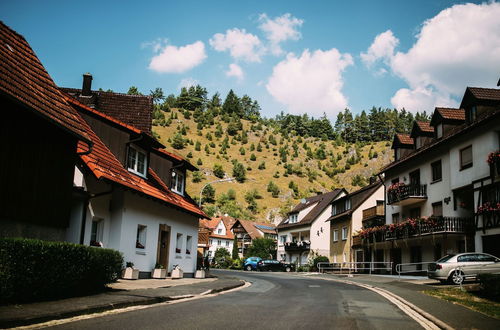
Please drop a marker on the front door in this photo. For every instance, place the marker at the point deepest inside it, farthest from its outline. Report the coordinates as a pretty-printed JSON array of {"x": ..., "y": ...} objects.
[
  {"x": 415, "y": 178},
  {"x": 163, "y": 246}
]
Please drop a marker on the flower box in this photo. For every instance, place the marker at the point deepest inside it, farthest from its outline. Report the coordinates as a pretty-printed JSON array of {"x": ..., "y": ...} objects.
[
  {"x": 159, "y": 273},
  {"x": 130, "y": 273},
  {"x": 177, "y": 273},
  {"x": 200, "y": 274}
]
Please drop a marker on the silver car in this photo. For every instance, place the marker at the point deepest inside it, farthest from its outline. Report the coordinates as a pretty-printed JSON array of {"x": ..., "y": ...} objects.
[{"x": 455, "y": 268}]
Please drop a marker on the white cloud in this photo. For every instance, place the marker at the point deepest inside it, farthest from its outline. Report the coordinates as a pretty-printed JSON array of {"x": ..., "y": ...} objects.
[
  {"x": 235, "y": 71},
  {"x": 459, "y": 47},
  {"x": 310, "y": 83},
  {"x": 280, "y": 29},
  {"x": 188, "y": 82},
  {"x": 239, "y": 43},
  {"x": 382, "y": 48},
  {"x": 173, "y": 59}
]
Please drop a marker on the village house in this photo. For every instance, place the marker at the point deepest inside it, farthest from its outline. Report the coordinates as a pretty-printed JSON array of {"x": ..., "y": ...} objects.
[
  {"x": 219, "y": 234},
  {"x": 347, "y": 218},
  {"x": 39, "y": 134},
  {"x": 246, "y": 231},
  {"x": 305, "y": 231},
  {"x": 442, "y": 189},
  {"x": 130, "y": 192}
]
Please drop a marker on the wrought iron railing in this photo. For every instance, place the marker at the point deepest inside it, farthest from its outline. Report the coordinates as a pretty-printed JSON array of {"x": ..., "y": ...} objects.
[
  {"x": 403, "y": 192},
  {"x": 297, "y": 246}
]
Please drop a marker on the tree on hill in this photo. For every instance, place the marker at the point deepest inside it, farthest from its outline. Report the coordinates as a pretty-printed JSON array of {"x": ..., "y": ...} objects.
[
  {"x": 208, "y": 195},
  {"x": 232, "y": 104},
  {"x": 178, "y": 141},
  {"x": 218, "y": 171},
  {"x": 239, "y": 172},
  {"x": 157, "y": 95}
]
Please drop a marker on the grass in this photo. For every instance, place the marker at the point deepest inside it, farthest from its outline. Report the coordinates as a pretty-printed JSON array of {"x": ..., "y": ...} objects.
[
  {"x": 269, "y": 207},
  {"x": 471, "y": 300}
]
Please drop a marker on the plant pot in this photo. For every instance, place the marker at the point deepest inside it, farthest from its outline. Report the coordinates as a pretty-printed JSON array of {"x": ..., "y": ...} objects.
[
  {"x": 177, "y": 273},
  {"x": 199, "y": 274},
  {"x": 130, "y": 273},
  {"x": 159, "y": 273}
]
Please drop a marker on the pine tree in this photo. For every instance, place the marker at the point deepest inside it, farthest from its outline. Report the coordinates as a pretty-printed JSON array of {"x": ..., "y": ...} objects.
[
  {"x": 178, "y": 141},
  {"x": 218, "y": 171},
  {"x": 234, "y": 253},
  {"x": 232, "y": 104},
  {"x": 239, "y": 172}
]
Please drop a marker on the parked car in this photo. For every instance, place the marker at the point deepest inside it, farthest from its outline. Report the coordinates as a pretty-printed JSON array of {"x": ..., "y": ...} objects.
[
  {"x": 456, "y": 268},
  {"x": 274, "y": 265},
  {"x": 251, "y": 263}
]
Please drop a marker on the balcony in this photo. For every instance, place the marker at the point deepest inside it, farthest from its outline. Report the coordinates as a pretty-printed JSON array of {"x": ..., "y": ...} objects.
[
  {"x": 374, "y": 216},
  {"x": 297, "y": 246},
  {"x": 406, "y": 195},
  {"x": 357, "y": 241}
]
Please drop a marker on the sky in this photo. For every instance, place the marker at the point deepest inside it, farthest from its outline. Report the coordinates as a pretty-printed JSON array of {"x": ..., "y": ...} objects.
[{"x": 314, "y": 57}]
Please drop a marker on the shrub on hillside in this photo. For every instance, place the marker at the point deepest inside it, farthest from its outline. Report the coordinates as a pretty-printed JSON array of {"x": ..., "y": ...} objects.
[{"x": 35, "y": 270}]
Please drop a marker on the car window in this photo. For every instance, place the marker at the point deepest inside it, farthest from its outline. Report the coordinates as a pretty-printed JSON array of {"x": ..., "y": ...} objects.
[
  {"x": 446, "y": 258},
  {"x": 486, "y": 258},
  {"x": 468, "y": 258}
]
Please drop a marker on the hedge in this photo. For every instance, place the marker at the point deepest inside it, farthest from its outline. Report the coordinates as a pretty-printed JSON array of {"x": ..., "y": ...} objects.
[{"x": 37, "y": 270}]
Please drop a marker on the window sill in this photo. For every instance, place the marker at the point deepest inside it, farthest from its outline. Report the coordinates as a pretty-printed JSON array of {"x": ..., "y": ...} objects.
[
  {"x": 466, "y": 167},
  {"x": 436, "y": 181},
  {"x": 177, "y": 192},
  {"x": 178, "y": 257},
  {"x": 143, "y": 253},
  {"x": 142, "y": 175}
]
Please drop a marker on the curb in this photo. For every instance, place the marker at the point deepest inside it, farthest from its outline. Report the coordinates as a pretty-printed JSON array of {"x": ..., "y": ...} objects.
[{"x": 107, "y": 307}]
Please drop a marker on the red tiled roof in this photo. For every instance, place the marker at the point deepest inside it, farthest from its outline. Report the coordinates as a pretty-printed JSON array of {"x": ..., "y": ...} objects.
[
  {"x": 451, "y": 113},
  {"x": 404, "y": 139},
  {"x": 23, "y": 78},
  {"x": 425, "y": 126},
  {"x": 104, "y": 165},
  {"x": 485, "y": 93},
  {"x": 209, "y": 223},
  {"x": 135, "y": 110}
]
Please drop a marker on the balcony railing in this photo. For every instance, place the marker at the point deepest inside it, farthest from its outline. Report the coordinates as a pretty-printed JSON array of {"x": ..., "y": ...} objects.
[
  {"x": 404, "y": 195},
  {"x": 297, "y": 246},
  {"x": 373, "y": 212},
  {"x": 432, "y": 225}
]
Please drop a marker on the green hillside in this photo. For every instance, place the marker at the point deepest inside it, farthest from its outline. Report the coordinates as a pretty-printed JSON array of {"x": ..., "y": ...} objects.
[{"x": 298, "y": 166}]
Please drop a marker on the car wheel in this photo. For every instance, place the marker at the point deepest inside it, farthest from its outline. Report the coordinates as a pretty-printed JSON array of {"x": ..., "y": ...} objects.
[
  {"x": 457, "y": 277},
  {"x": 288, "y": 269},
  {"x": 249, "y": 268}
]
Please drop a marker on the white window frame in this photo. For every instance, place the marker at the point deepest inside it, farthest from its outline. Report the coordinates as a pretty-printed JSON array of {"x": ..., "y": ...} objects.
[
  {"x": 227, "y": 243},
  {"x": 134, "y": 168},
  {"x": 219, "y": 231},
  {"x": 219, "y": 243},
  {"x": 99, "y": 224},
  {"x": 141, "y": 236},
  {"x": 178, "y": 182},
  {"x": 283, "y": 239},
  {"x": 293, "y": 218},
  {"x": 345, "y": 232},
  {"x": 335, "y": 235}
]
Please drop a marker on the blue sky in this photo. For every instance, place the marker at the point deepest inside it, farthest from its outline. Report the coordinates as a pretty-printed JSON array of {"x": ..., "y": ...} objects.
[{"x": 293, "y": 56}]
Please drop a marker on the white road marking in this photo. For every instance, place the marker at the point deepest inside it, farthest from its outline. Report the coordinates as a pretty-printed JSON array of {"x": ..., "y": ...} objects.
[{"x": 314, "y": 286}]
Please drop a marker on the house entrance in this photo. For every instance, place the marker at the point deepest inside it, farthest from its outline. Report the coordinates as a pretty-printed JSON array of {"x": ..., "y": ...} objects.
[{"x": 163, "y": 245}]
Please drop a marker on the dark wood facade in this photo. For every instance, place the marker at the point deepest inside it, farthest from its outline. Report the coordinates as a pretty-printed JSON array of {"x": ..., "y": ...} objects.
[{"x": 36, "y": 172}]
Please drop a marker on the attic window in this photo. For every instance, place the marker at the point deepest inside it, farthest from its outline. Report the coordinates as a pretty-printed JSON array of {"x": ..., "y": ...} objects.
[
  {"x": 178, "y": 182},
  {"x": 293, "y": 218},
  {"x": 439, "y": 131},
  {"x": 136, "y": 162}
]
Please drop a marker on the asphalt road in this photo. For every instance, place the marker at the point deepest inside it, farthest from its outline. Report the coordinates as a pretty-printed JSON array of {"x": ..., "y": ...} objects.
[{"x": 273, "y": 301}]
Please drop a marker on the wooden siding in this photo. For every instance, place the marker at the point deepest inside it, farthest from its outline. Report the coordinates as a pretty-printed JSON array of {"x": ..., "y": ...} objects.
[
  {"x": 37, "y": 167},
  {"x": 162, "y": 167}
]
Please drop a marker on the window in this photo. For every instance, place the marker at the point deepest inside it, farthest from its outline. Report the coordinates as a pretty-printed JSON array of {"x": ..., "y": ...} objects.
[
  {"x": 468, "y": 258},
  {"x": 178, "y": 243},
  {"x": 282, "y": 239},
  {"x": 136, "y": 161},
  {"x": 415, "y": 213},
  {"x": 437, "y": 174},
  {"x": 189, "y": 243},
  {"x": 466, "y": 157},
  {"x": 344, "y": 233},
  {"x": 140, "y": 243},
  {"x": 293, "y": 218},
  {"x": 341, "y": 206},
  {"x": 395, "y": 218},
  {"x": 219, "y": 231},
  {"x": 219, "y": 242},
  {"x": 472, "y": 114},
  {"x": 437, "y": 209},
  {"x": 209, "y": 254},
  {"x": 439, "y": 131},
  {"x": 336, "y": 235},
  {"x": 210, "y": 241},
  {"x": 227, "y": 243},
  {"x": 415, "y": 178},
  {"x": 96, "y": 232},
  {"x": 178, "y": 182}
]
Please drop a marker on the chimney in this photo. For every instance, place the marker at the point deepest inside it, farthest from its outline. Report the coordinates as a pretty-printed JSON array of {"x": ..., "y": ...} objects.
[{"x": 87, "y": 84}]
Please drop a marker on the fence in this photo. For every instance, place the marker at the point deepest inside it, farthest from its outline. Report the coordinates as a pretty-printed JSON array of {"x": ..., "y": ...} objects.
[
  {"x": 355, "y": 267},
  {"x": 414, "y": 267}
]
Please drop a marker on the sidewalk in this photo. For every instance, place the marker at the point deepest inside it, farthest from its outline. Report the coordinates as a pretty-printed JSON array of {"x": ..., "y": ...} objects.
[
  {"x": 411, "y": 289},
  {"x": 123, "y": 294}
]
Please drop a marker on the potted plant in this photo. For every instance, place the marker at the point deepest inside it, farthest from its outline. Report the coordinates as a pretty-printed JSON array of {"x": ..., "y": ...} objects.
[
  {"x": 200, "y": 273},
  {"x": 177, "y": 272},
  {"x": 130, "y": 273},
  {"x": 159, "y": 271}
]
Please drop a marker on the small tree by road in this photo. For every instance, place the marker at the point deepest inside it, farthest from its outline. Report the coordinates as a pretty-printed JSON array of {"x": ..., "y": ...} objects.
[{"x": 262, "y": 247}]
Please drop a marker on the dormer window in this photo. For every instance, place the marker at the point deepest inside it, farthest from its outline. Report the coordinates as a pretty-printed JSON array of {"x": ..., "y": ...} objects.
[
  {"x": 293, "y": 218},
  {"x": 178, "y": 182},
  {"x": 439, "y": 131},
  {"x": 137, "y": 161}
]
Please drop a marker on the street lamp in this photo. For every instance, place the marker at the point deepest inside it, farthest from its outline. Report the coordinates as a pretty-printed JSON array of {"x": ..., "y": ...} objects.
[{"x": 216, "y": 181}]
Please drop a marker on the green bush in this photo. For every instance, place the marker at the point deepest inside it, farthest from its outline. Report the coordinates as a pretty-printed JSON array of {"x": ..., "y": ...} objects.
[
  {"x": 490, "y": 285},
  {"x": 35, "y": 270},
  {"x": 318, "y": 259}
]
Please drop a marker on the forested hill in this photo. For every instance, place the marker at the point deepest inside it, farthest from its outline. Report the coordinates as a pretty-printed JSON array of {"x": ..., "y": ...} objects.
[{"x": 277, "y": 161}]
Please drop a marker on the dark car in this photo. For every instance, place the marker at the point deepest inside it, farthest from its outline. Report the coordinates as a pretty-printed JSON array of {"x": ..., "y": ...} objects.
[{"x": 274, "y": 265}]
